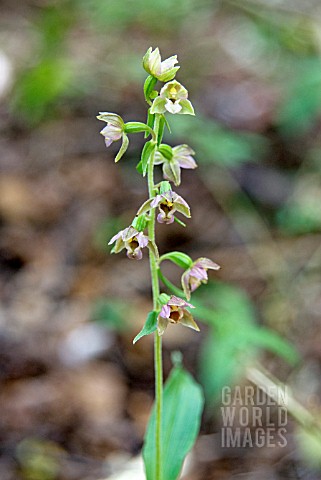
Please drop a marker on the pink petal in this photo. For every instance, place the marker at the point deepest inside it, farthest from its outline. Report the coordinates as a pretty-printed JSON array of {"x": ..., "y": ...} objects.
[
  {"x": 206, "y": 263},
  {"x": 178, "y": 302}
]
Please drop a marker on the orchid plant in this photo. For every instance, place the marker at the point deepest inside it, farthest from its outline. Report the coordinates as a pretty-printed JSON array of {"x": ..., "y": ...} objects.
[{"x": 169, "y": 436}]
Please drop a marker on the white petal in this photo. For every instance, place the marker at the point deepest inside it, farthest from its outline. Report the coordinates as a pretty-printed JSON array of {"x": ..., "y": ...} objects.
[{"x": 172, "y": 107}]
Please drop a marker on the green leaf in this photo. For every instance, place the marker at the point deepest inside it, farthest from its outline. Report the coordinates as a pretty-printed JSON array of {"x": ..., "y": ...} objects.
[
  {"x": 149, "y": 327},
  {"x": 179, "y": 258},
  {"x": 216, "y": 144},
  {"x": 165, "y": 187},
  {"x": 140, "y": 223},
  {"x": 167, "y": 124},
  {"x": 161, "y": 129},
  {"x": 150, "y": 121},
  {"x": 146, "y": 153},
  {"x": 166, "y": 151},
  {"x": 149, "y": 85},
  {"x": 137, "y": 127},
  {"x": 234, "y": 338},
  {"x": 139, "y": 167},
  {"x": 265, "y": 338},
  {"x": 182, "y": 409},
  {"x": 37, "y": 90}
]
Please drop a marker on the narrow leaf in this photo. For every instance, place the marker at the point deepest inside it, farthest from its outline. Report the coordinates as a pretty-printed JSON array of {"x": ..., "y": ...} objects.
[
  {"x": 182, "y": 409},
  {"x": 146, "y": 153},
  {"x": 161, "y": 129},
  {"x": 139, "y": 167},
  {"x": 167, "y": 124},
  {"x": 149, "y": 327},
  {"x": 149, "y": 85},
  {"x": 150, "y": 121}
]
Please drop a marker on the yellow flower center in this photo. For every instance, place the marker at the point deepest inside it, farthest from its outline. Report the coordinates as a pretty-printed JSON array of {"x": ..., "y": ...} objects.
[{"x": 173, "y": 93}]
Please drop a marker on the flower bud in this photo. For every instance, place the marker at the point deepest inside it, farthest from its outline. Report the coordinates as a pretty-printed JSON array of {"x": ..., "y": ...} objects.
[{"x": 162, "y": 70}]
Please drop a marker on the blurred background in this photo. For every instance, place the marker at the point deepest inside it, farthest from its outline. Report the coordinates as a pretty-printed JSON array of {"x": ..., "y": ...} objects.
[{"x": 75, "y": 393}]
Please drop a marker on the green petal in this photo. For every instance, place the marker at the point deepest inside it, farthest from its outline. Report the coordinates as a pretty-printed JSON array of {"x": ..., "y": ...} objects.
[
  {"x": 167, "y": 171},
  {"x": 145, "y": 207},
  {"x": 123, "y": 148},
  {"x": 187, "y": 107},
  {"x": 158, "y": 105},
  {"x": 176, "y": 172},
  {"x": 183, "y": 209},
  {"x": 119, "y": 246},
  {"x": 167, "y": 76},
  {"x": 188, "y": 321},
  {"x": 162, "y": 325}
]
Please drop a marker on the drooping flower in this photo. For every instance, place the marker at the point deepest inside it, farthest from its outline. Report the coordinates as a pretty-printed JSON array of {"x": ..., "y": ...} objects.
[
  {"x": 175, "y": 312},
  {"x": 173, "y": 99},
  {"x": 114, "y": 130},
  {"x": 181, "y": 158},
  {"x": 196, "y": 275},
  {"x": 162, "y": 70},
  {"x": 132, "y": 240},
  {"x": 168, "y": 203}
]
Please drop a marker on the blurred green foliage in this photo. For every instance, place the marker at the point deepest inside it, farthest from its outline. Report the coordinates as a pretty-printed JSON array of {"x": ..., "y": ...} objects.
[
  {"x": 216, "y": 144},
  {"x": 115, "y": 315},
  {"x": 234, "y": 338},
  {"x": 39, "y": 459},
  {"x": 50, "y": 75}
]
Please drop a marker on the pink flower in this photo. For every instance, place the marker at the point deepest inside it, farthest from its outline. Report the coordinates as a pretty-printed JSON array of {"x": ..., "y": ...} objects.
[
  {"x": 132, "y": 240},
  {"x": 168, "y": 203},
  {"x": 114, "y": 130},
  {"x": 174, "y": 311},
  {"x": 196, "y": 275},
  {"x": 181, "y": 157}
]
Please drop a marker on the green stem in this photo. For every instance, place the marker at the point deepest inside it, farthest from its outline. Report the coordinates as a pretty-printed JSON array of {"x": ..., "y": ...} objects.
[{"x": 157, "y": 338}]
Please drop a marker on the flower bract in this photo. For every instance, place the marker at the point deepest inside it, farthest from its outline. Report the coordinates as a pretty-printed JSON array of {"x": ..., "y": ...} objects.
[{"x": 174, "y": 311}]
